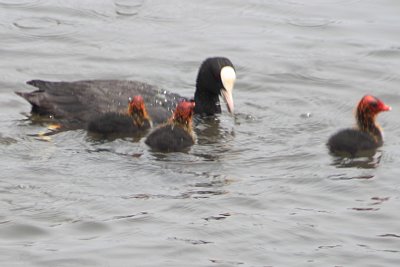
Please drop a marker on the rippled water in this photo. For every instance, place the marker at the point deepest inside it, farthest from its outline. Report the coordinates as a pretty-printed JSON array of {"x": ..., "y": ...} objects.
[{"x": 259, "y": 188}]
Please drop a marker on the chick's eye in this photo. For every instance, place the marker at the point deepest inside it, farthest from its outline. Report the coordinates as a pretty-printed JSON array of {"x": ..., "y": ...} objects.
[{"x": 374, "y": 104}]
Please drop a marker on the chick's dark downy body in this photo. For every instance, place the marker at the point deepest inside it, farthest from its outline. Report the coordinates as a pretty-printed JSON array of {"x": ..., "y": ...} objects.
[
  {"x": 133, "y": 122},
  {"x": 177, "y": 134}
]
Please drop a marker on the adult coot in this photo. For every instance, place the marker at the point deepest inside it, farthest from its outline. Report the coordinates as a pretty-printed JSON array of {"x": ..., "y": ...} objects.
[
  {"x": 177, "y": 134},
  {"x": 368, "y": 134},
  {"x": 73, "y": 104},
  {"x": 134, "y": 121}
]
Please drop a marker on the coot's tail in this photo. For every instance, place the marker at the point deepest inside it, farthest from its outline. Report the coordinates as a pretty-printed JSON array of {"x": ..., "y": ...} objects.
[
  {"x": 37, "y": 83},
  {"x": 36, "y": 98}
]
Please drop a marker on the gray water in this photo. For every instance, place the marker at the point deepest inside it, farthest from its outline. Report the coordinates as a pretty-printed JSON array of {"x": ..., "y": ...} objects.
[{"x": 258, "y": 189}]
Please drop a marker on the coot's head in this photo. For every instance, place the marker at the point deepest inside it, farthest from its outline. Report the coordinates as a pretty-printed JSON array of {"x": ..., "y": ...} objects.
[
  {"x": 137, "y": 110},
  {"x": 184, "y": 112},
  {"x": 216, "y": 78},
  {"x": 370, "y": 105}
]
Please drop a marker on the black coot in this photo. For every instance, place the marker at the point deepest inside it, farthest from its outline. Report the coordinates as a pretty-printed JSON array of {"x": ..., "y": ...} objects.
[
  {"x": 368, "y": 134},
  {"x": 177, "y": 134},
  {"x": 73, "y": 104}
]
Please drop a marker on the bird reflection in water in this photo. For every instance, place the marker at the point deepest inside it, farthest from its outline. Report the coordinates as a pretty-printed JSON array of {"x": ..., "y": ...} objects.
[{"x": 369, "y": 160}]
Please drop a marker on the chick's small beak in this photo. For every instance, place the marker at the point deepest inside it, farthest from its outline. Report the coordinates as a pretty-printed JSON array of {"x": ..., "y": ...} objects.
[
  {"x": 383, "y": 107},
  {"x": 386, "y": 108},
  {"x": 228, "y": 78}
]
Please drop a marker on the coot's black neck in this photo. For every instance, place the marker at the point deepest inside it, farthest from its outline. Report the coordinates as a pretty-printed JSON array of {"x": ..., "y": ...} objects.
[
  {"x": 206, "y": 103},
  {"x": 366, "y": 122}
]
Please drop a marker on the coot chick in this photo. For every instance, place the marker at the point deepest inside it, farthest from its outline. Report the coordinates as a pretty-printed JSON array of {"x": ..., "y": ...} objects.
[
  {"x": 367, "y": 136},
  {"x": 177, "y": 134},
  {"x": 133, "y": 122},
  {"x": 67, "y": 102}
]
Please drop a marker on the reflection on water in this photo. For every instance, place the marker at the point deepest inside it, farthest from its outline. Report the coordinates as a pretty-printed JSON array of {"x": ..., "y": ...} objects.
[
  {"x": 44, "y": 27},
  {"x": 195, "y": 194},
  {"x": 210, "y": 130},
  {"x": 19, "y": 3},
  {"x": 5, "y": 140},
  {"x": 365, "y": 162},
  {"x": 102, "y": 138},
  {"x": 128, "y": 7}
]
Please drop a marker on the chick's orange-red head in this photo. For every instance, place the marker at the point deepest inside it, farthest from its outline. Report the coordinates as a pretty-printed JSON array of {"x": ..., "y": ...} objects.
[
  {"x": 372, "y": 105},
  {"x": 137, "y": 110},
  {"x": 184, "y": 112},
  {"x": 136, "y": 106}
]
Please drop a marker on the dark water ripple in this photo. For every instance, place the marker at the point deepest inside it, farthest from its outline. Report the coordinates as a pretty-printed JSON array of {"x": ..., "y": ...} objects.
[
  {"x": 44, "y": 27},
  {"x": 314, "y": 22},
  {"x": 128, "y": 8},
  {"x": 19, "y": 3}
]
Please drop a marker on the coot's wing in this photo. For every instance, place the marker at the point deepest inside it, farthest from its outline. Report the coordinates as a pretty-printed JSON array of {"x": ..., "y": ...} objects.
[{"x": 76, "y": 102}]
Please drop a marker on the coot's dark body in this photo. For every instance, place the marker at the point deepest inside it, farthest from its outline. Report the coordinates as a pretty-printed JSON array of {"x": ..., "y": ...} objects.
[
  {"x": 73, "y": 104},
  {"x": 169, "y": 138},
  {"x": 367, "y": 136}
]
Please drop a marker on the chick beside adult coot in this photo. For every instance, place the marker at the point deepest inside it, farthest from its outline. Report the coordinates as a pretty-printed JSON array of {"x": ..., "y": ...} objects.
[
  {"x": 135, "y": 121},
  {"x": 177, "y": 134}
]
